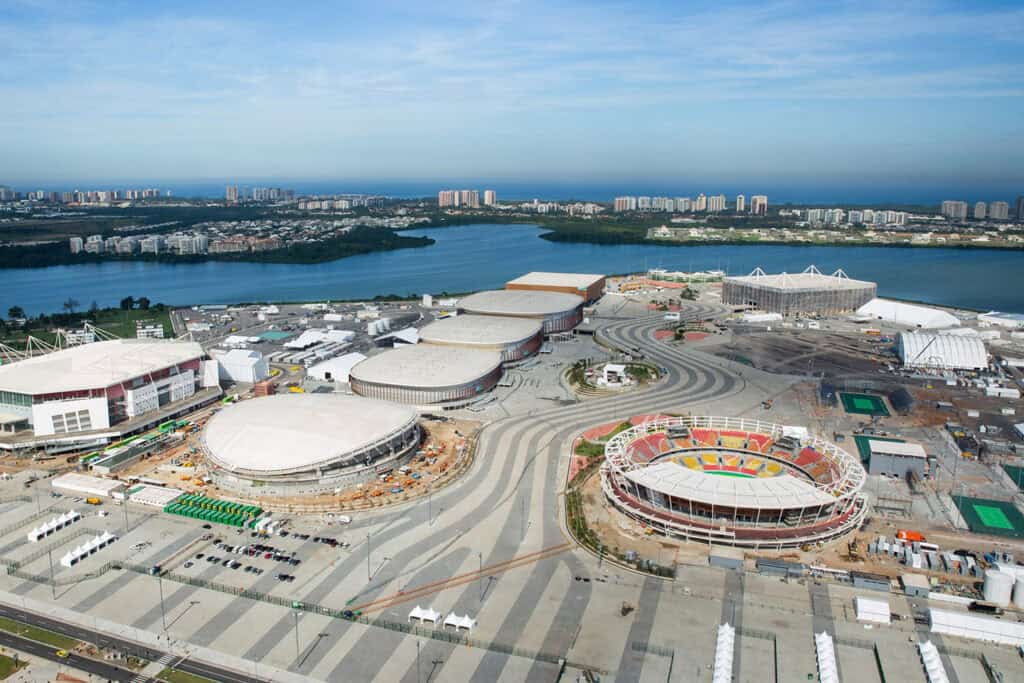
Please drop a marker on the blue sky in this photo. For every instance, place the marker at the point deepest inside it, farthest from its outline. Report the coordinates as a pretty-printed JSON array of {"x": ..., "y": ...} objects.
[{"x": 910, "y": 93}]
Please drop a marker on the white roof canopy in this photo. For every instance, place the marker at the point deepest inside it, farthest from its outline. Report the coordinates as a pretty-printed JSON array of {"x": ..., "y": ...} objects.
[
  {"x": 942, "y": 351},
  {"x": 464, "y": 622},
  {"x": 421, "y": 614},
  {"x": 976, "y": 628},
  {"x": 907, "y": 314},
  {"x": 95, "y": 366},
  {"x": 872, "y": 611},
  {"x": 771, "y": 493},
  {"x": 903, "y": 449}
]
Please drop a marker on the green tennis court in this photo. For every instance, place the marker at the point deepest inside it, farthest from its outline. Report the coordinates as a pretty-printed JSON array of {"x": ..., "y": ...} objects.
[
  {"x": 275, "y": 335},
  {"x": 1016, "y": 474},
  {"x": 995, "y": 517},
  {"x": 863, "y": 404}
]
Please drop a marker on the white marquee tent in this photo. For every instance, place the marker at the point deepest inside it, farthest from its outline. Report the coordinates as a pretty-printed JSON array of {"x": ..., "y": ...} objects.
[
  {"x": 906, "y": 314},
  {"x": 941, "y": 351}
]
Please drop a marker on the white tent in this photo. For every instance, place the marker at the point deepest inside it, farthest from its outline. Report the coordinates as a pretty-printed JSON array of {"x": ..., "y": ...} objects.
[
  {"x": 239, "y": 365},
  {"x": 828, "y": 669},
  {"x": 335, "y": 369},
  {"x": 458, "y": 622},
  {"x": 976, "y": 628},
  {"x": 724, "y": 646},
  {"x": 932, "y": 661},
  {"x": 908, "y": 315},
  {"x": 942, "y": 351},
  {"x": 423, "y": 615},
  {"x": 872, "y": 611}
]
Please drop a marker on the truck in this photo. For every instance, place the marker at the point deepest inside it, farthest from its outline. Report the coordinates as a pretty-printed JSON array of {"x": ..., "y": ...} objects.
[
  {"x": 910, "y": 535},
  {"x": 93, "y": 500}
]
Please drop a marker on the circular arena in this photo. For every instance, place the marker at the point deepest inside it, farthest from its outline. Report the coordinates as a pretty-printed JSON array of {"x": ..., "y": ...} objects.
[
  {"x": 514, "y": 338},
  {"x": 558, "y": 311},
  {"x": 295, "y": 444},
  {"x": 425, "y": 374},
  {"x": 733, "y": 481}
]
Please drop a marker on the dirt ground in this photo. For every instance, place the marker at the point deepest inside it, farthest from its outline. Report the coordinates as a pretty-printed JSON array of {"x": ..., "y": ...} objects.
[
  {"x": 830, "y": 355},
  {"x": 439, "y": 452}
]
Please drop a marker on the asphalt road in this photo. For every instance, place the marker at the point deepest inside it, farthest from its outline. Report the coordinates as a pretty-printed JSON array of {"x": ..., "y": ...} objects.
[
  {"x": 99, "y": 668},
  {"x": 43, "y": 651}
]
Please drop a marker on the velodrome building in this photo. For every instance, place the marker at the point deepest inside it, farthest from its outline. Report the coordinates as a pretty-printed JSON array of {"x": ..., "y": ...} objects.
[
  {"x": 295, "y": 444},
  {"x": 90, "y": 394},
  {"x": 427, "y": 374}
]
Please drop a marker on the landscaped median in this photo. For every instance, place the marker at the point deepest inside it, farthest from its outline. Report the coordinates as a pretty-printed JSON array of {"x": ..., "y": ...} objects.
[
  {"x": 40, "y": 635},
  {"x": 9, "y": 666},
  {"x": 174, "y": 676}
]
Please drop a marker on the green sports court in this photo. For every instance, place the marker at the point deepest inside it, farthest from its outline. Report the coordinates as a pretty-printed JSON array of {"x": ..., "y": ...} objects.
[
  {"x": 863, "y": 404},
  {"x": 1016, "y": 474},
  {"x": 987, "y": 516}
]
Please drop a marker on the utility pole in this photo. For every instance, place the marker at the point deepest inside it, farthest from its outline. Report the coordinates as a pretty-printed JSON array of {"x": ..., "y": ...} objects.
[
  {"x": 53, "y": 584},
  {"x": 163, "y": 614}
]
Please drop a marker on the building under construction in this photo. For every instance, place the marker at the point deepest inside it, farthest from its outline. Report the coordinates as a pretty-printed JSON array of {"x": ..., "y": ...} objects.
[{"x": 809, "y": 292}]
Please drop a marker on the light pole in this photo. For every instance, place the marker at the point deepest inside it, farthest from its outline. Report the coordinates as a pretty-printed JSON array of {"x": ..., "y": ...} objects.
[
  {"x": 417, "y": 661},
  {"x": 481, "y": 556},
  {"x": 430, "y": 513},
  {"x": 296, "y": 613},
  {"x": 163, "y": 614},
  {"x": 522, "y": 517},
  {"x": 367, "y": 555},
  {"x": 53, "y": 583}
]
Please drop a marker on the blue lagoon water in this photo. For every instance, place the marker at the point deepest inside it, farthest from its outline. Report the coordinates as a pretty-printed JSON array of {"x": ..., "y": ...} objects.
[{"x": 476, "y": 257}]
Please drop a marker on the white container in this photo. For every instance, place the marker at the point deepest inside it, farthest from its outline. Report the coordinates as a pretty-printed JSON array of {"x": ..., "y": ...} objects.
[
  {"x": 1018, "y": 592},
  {"x": 998, "y": 588}
]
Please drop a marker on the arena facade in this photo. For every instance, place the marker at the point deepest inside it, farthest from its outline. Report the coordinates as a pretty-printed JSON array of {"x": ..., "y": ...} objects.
[
  {"x": 514, "y": 338},
  {"x": 558, "y": 311},
  {"x": 427, "y": 374},
  {"x": 296, "y": 444},
  {"x": 88, "y": 394},
  {"x": 809, "y": 292},
  {"x": 734, "y": 481}
]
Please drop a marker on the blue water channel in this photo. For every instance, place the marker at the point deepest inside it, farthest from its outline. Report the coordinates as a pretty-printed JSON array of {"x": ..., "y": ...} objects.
[{"x": 477, "y": 257}]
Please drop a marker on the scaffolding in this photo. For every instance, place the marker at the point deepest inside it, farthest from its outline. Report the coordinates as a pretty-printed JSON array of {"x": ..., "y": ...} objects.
[{"x": 808, "y": 293}]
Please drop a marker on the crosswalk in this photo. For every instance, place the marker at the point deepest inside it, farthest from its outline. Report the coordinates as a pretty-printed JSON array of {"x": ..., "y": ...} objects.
[{"x": 162, "y": 663}]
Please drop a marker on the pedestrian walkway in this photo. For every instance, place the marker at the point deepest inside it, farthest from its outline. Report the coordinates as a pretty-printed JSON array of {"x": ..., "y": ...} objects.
[{"x": 153, "y": 669}]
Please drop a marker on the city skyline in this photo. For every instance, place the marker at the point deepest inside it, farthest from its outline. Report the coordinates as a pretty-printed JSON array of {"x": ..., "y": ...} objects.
[{"x": 585, "y": 93}]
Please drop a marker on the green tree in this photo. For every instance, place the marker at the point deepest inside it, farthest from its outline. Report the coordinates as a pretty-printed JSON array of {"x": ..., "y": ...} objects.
[
  {"x": 70, "y": 305},
  {"x": 128, "y": 303},
  {"x": 143, "y": 303},
  {"x": 15, "y": 312}
]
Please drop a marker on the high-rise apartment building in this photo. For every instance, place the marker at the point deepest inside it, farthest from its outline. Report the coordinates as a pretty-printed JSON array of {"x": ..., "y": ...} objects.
[
  {"x": 759, "y": 205},
  {"x": 1020, "y": 208},
  {"x": 625, "y": 204},
  {"x": 701, "y": 204},
  {"x": 230, "y": 194},
  {"x": 954, "y": 210},
  {"x": 77, "y": 243},
  {"x": 999, "y": 211},
  {"x": 716, "y": 203},
  {"x": 643, "y": 203},
  {"x": 490, "y": 198},
  {"x": 741, "y": 203},
  {"x": 979, "y": 210}
]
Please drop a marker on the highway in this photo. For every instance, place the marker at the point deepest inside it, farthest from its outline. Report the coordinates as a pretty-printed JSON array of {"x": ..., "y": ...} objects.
[{"x": 106, "y": 641}]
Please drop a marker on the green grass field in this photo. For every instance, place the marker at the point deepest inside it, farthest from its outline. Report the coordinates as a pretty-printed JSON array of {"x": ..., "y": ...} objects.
[
  {"x": 40, "y": 635},
  {"x": 863, "y": 404},
  {"x": 8, "y": 666},
  {"x": 995, "y": 517},
  {"x": 175, "y": 676},
  {"x": 720, "y": 473},
  {"x": 116, "y": 321}
]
